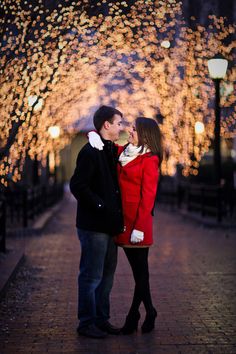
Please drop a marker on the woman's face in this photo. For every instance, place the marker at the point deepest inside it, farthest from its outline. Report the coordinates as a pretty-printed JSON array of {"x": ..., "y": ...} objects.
[{"x": 133, "y": 136}]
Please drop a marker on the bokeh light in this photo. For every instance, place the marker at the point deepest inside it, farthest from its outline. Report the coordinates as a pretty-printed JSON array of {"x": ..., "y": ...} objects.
[{"x": 59, "y": 64}]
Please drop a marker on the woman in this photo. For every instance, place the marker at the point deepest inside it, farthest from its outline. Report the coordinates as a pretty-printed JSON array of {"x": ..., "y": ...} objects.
[{"x": 138, "y": 171}]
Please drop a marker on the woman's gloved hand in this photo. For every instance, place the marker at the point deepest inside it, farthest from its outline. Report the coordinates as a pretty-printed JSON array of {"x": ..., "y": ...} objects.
[
  {"x": 136, "y": 236},
  {"x": 95, "y": 140}
]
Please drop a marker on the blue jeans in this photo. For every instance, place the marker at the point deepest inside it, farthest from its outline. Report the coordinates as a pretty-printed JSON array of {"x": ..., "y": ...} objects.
[{"x": 97, "y": 267}]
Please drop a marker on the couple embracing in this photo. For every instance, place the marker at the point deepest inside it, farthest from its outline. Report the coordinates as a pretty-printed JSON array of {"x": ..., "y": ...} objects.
[{"x": 115, "y": 187}]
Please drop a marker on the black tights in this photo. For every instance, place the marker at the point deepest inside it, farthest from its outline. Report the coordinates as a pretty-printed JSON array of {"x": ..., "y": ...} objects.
[{"x": 138, "y": 260}]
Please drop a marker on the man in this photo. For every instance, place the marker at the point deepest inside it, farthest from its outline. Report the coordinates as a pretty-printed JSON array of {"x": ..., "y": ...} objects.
[{"x": 99, "y": 216}]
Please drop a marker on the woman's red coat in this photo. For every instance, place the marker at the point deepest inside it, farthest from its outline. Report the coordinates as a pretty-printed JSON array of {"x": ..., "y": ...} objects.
[{"x": 138, "y": 184}]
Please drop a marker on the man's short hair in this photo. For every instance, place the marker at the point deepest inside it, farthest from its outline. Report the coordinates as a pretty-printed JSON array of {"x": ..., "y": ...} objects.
[{"x": 103, "y": 114}]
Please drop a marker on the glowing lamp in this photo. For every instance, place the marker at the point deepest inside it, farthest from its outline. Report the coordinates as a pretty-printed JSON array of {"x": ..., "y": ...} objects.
[
  {"x": 54, "y": 131},
  {"x": 165, "y": 44},
  {"x": 199, "y": 128},
  {"x": 217, "y": 67}
]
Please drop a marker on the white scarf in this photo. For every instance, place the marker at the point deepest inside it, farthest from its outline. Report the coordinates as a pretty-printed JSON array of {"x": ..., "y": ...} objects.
[{"x": 131, "y": 152}]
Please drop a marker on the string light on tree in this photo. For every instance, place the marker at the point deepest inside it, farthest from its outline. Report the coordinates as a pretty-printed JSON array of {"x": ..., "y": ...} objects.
[{"x": 58, "y": 64}]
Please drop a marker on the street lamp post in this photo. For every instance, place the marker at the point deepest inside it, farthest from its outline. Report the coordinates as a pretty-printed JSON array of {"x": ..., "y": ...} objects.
[{"x": 217, "y": 69}]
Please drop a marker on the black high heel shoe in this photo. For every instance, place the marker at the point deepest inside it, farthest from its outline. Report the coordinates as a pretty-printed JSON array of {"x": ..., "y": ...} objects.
[
  {"x": 149, "y": 322},
  {"x": 131, "y": 323}
]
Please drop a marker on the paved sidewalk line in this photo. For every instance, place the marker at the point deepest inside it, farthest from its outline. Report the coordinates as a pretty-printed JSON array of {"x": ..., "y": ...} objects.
[{"x": 10, "y": 263}]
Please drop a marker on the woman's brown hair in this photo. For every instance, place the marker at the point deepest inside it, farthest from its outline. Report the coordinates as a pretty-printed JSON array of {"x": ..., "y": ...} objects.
[{"x": 149, "y": 135}]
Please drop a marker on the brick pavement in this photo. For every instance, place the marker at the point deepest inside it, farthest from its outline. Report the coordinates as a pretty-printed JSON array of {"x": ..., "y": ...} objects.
[{"x": 193, "y": 282}]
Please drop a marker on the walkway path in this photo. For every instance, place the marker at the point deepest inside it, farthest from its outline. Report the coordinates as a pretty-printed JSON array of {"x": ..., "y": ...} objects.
[{"x": 193, "y": 284}]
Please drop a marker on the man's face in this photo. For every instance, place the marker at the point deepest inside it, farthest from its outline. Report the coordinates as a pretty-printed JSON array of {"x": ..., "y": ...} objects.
[{"x": 115, "y": 128}]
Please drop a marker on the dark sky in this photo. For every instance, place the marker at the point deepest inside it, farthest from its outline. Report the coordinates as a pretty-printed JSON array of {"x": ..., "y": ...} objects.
[
  {"x": 198, "y": 8},
  {"x": 202, "y": 8}
]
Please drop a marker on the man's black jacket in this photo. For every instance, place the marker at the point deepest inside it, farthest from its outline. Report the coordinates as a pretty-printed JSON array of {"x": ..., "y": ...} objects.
[{"x": 94, "y": 185}]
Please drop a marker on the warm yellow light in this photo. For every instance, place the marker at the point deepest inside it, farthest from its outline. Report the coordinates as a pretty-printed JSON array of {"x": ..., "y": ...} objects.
[
  {"x": 199, "y": 128},
  {"x": 39, "y": 105},
  {"x": 227, "y": 89},
  {"x": 54, "y": 131},
  {"x": 130, "y": 58},
  {"x": 165, "y": 44},
  {"x": 217, "y": 68},
  {"x": 52, "y": 162},
  {"x": 32, "y": 100}
]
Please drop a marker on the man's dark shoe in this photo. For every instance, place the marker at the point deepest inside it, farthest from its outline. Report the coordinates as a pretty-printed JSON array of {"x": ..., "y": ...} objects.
[
  {"x": 109, "y": 328},
  {"x": 91, "y": 331}
]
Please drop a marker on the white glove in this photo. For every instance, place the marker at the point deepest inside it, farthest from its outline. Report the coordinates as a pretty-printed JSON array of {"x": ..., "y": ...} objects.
[
  {"x": 95, "y": 140},
  {"x": 136, "y": 236}
]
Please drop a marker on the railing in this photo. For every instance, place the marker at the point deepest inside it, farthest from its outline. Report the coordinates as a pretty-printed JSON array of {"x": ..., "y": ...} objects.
[
  {"x": 23, "y": 205},
  {"x": 167, "y": 192},
  {"x": 218, "y": 202},
  {"x": 208, "y": 200},
  {"x": 2, "y": 225}
]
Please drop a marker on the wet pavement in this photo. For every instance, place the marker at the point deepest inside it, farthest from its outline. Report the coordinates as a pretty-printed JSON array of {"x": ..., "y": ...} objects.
[{"x": 193, "y": 282}]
